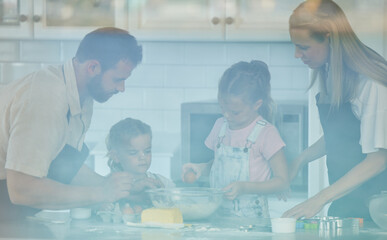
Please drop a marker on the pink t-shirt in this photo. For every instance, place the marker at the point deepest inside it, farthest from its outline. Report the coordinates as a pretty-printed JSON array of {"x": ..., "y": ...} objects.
[{"x": 267, "y": 144}]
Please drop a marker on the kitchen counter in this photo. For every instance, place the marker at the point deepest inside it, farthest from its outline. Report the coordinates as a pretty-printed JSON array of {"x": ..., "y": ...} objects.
[{"x": 93, "y": 228}]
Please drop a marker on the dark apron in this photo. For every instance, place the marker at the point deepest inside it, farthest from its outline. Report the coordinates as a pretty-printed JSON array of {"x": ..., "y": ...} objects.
[
  {"x": 342, "y": 134},
  {"x": 62, "y": 169}
]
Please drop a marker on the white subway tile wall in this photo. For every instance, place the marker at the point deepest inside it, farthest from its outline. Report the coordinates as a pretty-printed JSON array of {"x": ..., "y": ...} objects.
[
  {"x": 170, "y": 73},
  {"x": 40, "y": 51},
  {"x": 9, "y": 51},
  {"x": 236, "y": 52},
  {"x": 202, "y": 53}
]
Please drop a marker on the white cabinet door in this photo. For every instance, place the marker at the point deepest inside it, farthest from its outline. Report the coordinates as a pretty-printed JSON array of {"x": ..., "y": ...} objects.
[
  {"x": 72, "y": 19},
  {"x": 15, "y": 19},
  {"x": 177, "y": 19},
  {"x": 259, "y": 20},
  {"x": 241, "y": 20}
]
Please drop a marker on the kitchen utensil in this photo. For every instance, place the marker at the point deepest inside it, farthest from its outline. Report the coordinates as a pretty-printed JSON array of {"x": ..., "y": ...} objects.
[
  {"x": 194, "y": 202},
  {"x": 378, "y": 209}
]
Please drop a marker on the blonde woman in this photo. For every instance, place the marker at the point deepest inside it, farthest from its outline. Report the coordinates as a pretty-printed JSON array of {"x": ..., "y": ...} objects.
[{"x": 352, "y": 107}]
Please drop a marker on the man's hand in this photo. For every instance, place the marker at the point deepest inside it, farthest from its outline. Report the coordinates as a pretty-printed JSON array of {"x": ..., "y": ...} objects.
[{"x": 116, "y": 186}]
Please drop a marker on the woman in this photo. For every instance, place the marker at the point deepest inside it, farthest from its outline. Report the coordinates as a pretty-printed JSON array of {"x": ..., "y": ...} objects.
[{"x": 352, "y": 107}]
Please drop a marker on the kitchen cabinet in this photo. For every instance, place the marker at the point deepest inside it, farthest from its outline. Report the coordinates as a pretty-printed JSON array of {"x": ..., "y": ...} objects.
[
  {"x": 14, "y": 22},
  {"x": 218, "y": 20},
  {"x": 52, "y": 19}
]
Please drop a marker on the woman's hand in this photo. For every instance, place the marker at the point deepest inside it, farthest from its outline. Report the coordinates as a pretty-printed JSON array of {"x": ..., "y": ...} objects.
[
  {"x": 306, "y": 209},
  {"x": 234, "y": 189}
]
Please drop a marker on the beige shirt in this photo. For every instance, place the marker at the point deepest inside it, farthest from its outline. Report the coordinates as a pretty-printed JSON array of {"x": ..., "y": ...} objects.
[{"x": 34, "y": 126}]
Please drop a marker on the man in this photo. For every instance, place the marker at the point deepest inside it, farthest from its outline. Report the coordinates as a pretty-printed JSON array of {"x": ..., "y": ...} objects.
[{"x": 43, "y": 121}]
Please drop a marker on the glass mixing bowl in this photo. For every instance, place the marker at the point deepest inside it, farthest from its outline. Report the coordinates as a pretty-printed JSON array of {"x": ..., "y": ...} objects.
[
  {"x": 378, "y": 209},
  {"x": 194, "y": 202}
]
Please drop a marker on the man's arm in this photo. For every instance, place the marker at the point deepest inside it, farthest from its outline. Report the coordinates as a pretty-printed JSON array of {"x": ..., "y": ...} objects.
[
  {"x": 87, "y": 177},
  {"x": 45, "y": 193}
]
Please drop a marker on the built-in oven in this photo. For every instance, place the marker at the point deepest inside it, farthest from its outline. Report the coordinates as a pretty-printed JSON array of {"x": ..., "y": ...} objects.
[{"x": 197, "y": 119}]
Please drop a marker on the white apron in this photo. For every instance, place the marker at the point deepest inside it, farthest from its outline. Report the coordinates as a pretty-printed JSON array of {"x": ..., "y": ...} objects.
[{"x": 231, "y": 164}]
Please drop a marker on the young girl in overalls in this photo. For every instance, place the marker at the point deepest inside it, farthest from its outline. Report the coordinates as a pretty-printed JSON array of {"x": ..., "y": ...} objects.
[
  {"x": 249, "y": 161},
  {"x": 129, "y": 146}
]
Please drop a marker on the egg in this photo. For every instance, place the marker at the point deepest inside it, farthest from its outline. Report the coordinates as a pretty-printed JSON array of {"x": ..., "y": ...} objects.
[
  {"x": 190, "y": 177},
  {"x": 137, "y": 209},
  {"x": 127, "y": 210}
]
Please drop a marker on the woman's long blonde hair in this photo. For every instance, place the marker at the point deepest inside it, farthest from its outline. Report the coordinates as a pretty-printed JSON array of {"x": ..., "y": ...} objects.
[{"x": 348, "y": 55}]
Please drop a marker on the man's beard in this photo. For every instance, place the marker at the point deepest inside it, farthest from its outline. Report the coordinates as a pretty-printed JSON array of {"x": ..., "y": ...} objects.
[{"x": 96, "y": 90}]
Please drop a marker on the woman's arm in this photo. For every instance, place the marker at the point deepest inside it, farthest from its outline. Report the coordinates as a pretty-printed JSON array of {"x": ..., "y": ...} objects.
[
  {"x": 372, "y": 165},
  {"x": 315, "y": 151},
  {"x": 279, "y": 182}
]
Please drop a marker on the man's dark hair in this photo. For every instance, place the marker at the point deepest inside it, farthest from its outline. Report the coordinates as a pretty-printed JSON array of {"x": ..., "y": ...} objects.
[{"x": 108, "y": 46}]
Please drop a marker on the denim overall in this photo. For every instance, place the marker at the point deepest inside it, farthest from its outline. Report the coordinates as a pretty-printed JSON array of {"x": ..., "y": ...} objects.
[{"x": 231, "y": 164}]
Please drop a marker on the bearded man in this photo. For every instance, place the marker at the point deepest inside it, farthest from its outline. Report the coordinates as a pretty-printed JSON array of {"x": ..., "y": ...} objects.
[{"x": 43, "y": 121}]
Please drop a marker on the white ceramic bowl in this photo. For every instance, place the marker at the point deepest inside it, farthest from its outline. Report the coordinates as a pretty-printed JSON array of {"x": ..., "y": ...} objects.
[
  {"x": 283, "y": 225},
  {"x": 194, "y": 202}
]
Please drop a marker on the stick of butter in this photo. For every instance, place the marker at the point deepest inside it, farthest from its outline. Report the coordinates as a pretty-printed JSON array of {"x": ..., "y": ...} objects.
[{"x": 161, "y": 215}]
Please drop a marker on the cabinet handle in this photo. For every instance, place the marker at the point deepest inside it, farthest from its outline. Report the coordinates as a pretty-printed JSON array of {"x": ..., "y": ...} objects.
[
  {"x": 23, "y": 18},
  {"x": 229, "y": 20},
  {"x": 36, "y": 18},
  {"x": 215, "y": 20}
]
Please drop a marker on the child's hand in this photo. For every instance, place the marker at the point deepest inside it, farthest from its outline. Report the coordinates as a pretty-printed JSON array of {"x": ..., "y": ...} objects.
[
  {"x": 116, "y": 186},
  {"x": 140, "y": 185},
  {"x": 283, "y": 195},
  {"x": 191, "y": 172},
  {"x": 233, "y": 190}
]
